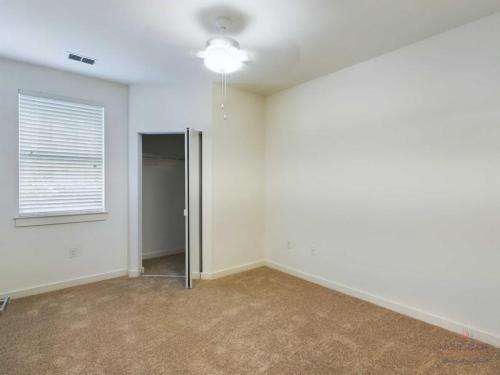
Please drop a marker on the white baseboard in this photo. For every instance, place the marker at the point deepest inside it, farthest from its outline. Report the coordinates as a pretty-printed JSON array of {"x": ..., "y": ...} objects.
[
  {"x": 161, "y": 253},
  {"x": 134, "y": 273},
  {"x": 391, "y": 305},
  {"x": 231, "y": 270},
  {"x": 413, "y": 312},
  {"x": 49, "y": 287}
]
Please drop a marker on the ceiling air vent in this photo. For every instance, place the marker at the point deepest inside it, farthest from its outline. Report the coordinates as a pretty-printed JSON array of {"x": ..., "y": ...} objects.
[
  {"x": 72, "y": 56},
  {"x": 85, "y": 60}
]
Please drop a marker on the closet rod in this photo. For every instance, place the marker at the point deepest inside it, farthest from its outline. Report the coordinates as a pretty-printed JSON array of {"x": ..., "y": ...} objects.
[{"x": 151, "y": 156}]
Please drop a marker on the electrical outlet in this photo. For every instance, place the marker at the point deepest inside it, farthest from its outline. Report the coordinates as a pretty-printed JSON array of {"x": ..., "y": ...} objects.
[
  {"x": 289, "y": 245},
  {"x": 314, "y": 251},
  {"x": 74, "y": 252}
]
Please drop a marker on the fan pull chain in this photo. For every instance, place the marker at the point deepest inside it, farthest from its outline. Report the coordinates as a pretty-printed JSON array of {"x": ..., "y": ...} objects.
[{"x": 224, "y": 94}]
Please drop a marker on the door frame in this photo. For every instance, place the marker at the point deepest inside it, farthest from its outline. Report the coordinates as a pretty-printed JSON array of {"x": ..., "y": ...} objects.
[
  {"x": 197, "y": 165},
  {"x": 135, "y": 273}
]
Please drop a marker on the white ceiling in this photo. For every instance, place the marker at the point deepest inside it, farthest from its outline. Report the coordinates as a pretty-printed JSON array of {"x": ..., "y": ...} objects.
[{"x": 289, "y": 41}]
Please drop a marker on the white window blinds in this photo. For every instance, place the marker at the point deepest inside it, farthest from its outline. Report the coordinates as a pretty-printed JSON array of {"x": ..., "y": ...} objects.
[{"x": 61, "y": 156}]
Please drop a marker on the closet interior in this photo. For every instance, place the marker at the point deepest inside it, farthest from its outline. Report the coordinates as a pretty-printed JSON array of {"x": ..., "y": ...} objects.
[{"x": 163, "y": 203}]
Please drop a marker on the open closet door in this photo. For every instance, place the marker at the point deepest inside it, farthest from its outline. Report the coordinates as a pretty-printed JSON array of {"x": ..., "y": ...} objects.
[{"x": 193, "y": 203}]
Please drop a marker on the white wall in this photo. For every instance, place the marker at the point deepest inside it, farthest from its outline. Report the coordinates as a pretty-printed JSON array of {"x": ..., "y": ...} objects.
[
  {"x": 391, "y": 170},
  {"x": 166, "y": 109},
  {"x": 237, "y": 179},
  {"x": 233, "y": 166},
  {"x": 34, "y": 256},
  {"x": 162, "y": 207}
]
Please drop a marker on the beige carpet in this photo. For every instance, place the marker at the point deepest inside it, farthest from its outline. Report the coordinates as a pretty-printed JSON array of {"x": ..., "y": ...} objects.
[
  {"x": 166, "y": 265},
  {"x": 257, "y": 322}
]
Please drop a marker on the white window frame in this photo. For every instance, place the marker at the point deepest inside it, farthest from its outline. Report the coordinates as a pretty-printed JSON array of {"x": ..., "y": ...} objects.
[{"x": 63, "y": 217}]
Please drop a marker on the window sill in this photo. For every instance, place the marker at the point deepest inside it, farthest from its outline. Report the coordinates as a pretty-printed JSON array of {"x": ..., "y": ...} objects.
[{"x": 30, "y": 221}]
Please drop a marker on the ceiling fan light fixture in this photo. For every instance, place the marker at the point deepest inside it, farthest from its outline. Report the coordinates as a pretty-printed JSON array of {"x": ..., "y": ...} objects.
[{"x": 223, "y": 55}]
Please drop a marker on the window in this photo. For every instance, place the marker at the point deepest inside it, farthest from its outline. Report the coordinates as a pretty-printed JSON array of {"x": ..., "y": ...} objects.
[{"x": 61, "y": 156}]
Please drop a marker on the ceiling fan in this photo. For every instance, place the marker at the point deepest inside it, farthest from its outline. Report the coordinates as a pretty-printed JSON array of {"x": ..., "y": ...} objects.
[{"x": 222, "y": 54}]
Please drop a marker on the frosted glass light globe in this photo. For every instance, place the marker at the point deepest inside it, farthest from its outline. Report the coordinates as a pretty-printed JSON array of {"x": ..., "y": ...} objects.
[{"x": 223, "y": 55}]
